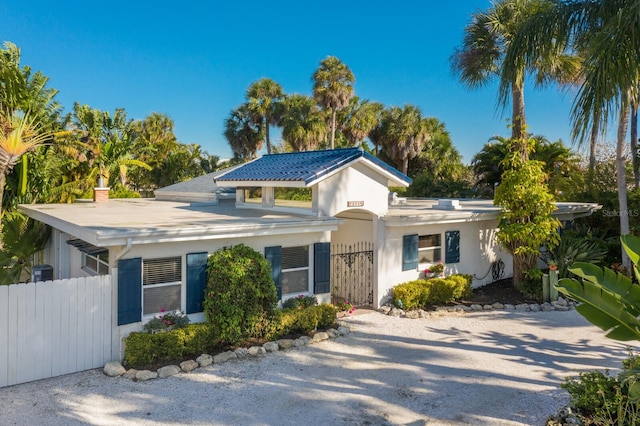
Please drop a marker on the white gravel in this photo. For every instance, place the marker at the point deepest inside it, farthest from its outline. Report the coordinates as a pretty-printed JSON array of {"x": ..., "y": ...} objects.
[{"x": 493, "y": 368}]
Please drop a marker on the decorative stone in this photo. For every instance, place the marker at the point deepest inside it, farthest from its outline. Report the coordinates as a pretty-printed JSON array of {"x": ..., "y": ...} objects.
[
  {"x": 385, "y": 309},
  {"x": 523, "y": 307},
  {"x": 344, "y": 331},
  {"x": 285, "y": 343},
  {"x": 412, "y": 314},
  {"x": 509, "y": 307},
  {"x": 487, "y": 307},
  {"x": 333, "y": 333},
  {"x": 130, "y": 374},
  {"x": 271, "y": 347},
  {"x": 466, "y": 308},
  {"x": 224, "y": 357},
  {"x": 395, "y": 312},
  {"x": 256, "y": 350},
  {"x": 441, "y": 309},
  {"x": 144, "y": 375},
  {"x": 476, "y": 307},
  {"x": 188, "y": 365},
  {"x": 562, "y": 308},
  {"x": 114, "y": 369},
  {"x": 241, "y": 352},
  {"x": 168, "y": 371},
  {"x": 320, "y": 336},
  {"x": 204, "y": 360},
  {"x": 561, "y": 301},
  {"x": 534, "y": 307},
  {"x": 305, "y": 340},
  {"x": 498, "y": 305}
]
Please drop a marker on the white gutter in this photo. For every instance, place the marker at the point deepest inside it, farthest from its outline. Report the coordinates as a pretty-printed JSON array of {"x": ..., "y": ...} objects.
[{"x": 125, "y": 250}]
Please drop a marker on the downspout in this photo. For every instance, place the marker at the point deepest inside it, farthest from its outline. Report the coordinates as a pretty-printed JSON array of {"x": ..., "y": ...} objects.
[{"x": 125, "y": 250}]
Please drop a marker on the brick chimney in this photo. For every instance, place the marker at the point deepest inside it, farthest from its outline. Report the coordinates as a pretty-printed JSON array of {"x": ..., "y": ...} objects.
[{"x": 100, "y": 195}]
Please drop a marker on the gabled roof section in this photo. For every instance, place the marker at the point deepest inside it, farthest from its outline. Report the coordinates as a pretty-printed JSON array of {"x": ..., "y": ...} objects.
[{"x": 304, "y": 169}]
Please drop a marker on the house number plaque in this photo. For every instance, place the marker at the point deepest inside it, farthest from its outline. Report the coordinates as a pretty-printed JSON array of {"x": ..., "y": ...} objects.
[{"x": 355, "y": 203}]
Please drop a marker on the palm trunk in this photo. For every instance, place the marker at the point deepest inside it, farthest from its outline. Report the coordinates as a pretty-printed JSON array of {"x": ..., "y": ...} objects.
[
  {"x": 333, "y": 128},
  {"x": 266, "y": 138},
  {"x": 517, "y": 114},
  {"x": 3, "y": 180},
  {"x": 405, "y": 164},
  {"x": 593, "y": 142},
  {"x": 621, "y": 177},
  {"x": 634, "y": 145}
]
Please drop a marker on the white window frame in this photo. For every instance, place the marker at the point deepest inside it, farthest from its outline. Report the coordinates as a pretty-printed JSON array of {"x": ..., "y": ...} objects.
[
  {"x": 307, "y": 268},
  {"x": 102, "y": 266},
  {"x": 430, "y": 248},
  {"x": 164, "y": 284}
]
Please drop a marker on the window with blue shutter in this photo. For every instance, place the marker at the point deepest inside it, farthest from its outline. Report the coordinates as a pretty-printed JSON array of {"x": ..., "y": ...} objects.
[
  {"x": 410, "y": 252},
  {"x": 452, "y": 246},
  {"x": 129, "y": 291},
  {"x": 274, "y": 256},
  {"x": 196, "y": 281},
  {"x": 321, "y": 268}
]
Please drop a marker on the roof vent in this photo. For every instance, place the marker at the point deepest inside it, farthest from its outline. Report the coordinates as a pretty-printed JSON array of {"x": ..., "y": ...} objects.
[
  {"x": 448, "y": 204},
  {"x": 394, "y": 200}
]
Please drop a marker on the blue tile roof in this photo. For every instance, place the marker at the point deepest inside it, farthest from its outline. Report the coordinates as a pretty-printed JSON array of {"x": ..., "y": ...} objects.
[{"x": 305, "y": 166}]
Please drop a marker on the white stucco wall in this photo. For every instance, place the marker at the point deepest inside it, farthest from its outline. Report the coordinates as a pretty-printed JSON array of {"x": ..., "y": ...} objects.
[
  {"x": 478, "y": 249},
  {"x": 355, "y": 184},
  {"x": 357, "y": 228}
]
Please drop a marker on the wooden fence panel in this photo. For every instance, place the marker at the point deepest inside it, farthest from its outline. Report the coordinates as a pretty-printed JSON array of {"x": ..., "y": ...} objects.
[{"x": 53, "y": 328}]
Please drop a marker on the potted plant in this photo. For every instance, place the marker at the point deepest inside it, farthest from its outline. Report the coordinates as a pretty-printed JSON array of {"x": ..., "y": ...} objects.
[
  {"x": 553, "y": 266},
  {"x": 436, "y": 270}
]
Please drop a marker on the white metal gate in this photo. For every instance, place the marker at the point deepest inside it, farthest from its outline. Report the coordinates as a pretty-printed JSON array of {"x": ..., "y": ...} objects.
[{"x": 55, "y": 327}]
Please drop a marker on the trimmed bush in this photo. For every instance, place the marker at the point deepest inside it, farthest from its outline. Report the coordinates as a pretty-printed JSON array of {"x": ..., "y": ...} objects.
[
  {"x": 434, "y": 291},
  {"x": 240, "y": 298},
  {"x": 301, "y": 321},
  {"x": 146, "y": 349}
]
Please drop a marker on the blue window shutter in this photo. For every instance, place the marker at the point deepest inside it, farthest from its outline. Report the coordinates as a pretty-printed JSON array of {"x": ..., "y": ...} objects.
[
  {"x": 452, "y": 247},
  {"x": 274, "y": 256},
  {"x": 196, "y": 281},
  {"x": 129, "y": 291},
  {"x": 321, "y": 268},
  {"x": 410, "y": 252}
]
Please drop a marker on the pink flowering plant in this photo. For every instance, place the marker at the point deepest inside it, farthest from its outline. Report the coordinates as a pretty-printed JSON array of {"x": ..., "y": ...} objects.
[
  {"x": 346, "y": 306},
  {"x": 165, "y": 321},
  {"x": 437, "y": 268}
]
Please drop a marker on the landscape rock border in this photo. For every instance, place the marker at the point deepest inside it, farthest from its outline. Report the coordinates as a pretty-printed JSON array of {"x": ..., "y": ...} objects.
[
  {"x": 115, "y": 368},
  {"x": 557, "y": 305}
]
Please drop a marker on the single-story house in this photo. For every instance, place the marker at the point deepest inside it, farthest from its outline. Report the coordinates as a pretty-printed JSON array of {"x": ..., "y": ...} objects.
[{"x": 326, "y": 221}]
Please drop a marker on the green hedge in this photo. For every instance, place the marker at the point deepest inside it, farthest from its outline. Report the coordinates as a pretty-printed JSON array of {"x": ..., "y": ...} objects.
[
  {"x": 434, "y": 291},
  {"x": 145, "y": 350}
]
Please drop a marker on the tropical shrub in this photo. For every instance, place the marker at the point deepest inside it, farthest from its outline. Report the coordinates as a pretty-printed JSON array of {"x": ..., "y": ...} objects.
[
  {"x": 602, "y": 399},
  {"x": 240, "y": 297},
  {"x": 434, "y": 291}
]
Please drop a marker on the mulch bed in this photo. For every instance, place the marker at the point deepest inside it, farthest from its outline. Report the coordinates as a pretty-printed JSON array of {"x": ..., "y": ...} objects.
[{"x": 499, "y": 291}]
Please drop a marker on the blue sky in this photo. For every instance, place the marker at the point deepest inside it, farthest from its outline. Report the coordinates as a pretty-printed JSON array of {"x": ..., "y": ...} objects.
[{"x": 193, "y": 61}]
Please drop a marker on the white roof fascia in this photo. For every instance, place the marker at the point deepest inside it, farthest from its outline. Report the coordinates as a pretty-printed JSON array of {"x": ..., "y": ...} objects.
[{"x": 153, "y": 236}]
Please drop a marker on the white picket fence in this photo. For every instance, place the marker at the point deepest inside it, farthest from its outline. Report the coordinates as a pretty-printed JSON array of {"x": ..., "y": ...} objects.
[{"x": 55, "y": 327}]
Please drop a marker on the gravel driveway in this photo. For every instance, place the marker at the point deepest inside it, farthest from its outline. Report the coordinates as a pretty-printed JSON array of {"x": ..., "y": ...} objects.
[{"x": 493, "y": 368}]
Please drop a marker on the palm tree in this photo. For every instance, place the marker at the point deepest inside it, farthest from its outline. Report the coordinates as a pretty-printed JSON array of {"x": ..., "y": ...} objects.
[
  {"x": 244, "y": 137},
  {"x": 608, "y": 35},
  {"x": 303, "y": 126},
  {"x": 332, "y": 88},
  {"x": 264, "y": 98},
  {"x": 488, "y": 40},
  {"x": 558, "y": 160},
  {"x": 18, "y": 135},
  {"x": 360, "y": 118},
  {"x": 402, "y": 132}
]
